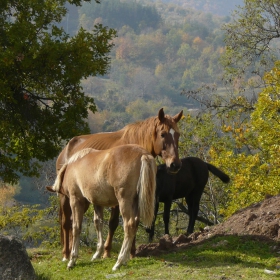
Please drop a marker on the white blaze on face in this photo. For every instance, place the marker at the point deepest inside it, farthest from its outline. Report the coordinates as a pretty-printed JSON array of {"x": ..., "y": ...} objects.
[{"x": 172, "y": 131}]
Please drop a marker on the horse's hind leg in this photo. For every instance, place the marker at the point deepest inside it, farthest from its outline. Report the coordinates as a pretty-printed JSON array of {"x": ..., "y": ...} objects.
[
  {"x": 98, "y": 222},
  {"x": 193, "y": 206},
  {"x": 130, "y": 222},
  {"x": 151, "y": 230},
  {"x": 113, "y": 224},
  {"x": 77, "y": 213},
  {"x": 133, "y": 246},
  {"x": 65, "y": 214}
]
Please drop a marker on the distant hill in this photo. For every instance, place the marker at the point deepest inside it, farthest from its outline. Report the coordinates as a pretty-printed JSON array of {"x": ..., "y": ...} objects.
[{"x": 218, "y": 7}]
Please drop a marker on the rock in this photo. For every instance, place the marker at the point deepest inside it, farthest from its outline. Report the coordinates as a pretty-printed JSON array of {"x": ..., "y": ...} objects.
[
  {"x": 250, "y": 218},
  {"x": 165, "y": 242},
  {"x": 182, "y": 239},
  {"x": 14, "y": 261}
]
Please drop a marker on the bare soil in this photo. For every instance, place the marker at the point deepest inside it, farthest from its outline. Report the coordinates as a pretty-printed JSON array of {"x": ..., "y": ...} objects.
[{"x": 260, "y": 221}]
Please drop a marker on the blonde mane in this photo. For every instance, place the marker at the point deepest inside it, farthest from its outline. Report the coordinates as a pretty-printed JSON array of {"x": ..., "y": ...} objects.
[
  {"x": 79, "y": 154},
  {"x": 59, "y": 178}
]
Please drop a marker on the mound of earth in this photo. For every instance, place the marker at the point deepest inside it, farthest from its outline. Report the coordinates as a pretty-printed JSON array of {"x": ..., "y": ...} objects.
[{"x": 260, "y": 220}]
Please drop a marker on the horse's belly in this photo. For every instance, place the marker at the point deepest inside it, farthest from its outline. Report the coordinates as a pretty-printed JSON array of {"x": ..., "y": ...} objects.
[{"x": 102, "y": 197}]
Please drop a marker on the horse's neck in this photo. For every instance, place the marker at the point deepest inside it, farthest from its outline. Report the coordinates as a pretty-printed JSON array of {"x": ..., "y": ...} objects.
[{"x": 139, "y": 134}]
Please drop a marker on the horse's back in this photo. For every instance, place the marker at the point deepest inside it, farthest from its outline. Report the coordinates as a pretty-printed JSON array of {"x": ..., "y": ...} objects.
[
  {"x": 192, "y": 177},
  {"x": 99, "y": 141},
  {"x": 101, "y": 174}
]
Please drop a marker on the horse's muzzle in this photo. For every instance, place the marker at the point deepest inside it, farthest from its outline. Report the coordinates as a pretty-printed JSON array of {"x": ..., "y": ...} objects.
[{"x": 174, "y": 168}]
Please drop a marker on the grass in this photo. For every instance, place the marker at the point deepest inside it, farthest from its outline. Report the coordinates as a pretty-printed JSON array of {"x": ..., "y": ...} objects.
[{"x": 235, "y": 258}]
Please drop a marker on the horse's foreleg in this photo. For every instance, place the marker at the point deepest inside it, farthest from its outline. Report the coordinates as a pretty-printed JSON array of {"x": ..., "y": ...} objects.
[
  {"x": 65, "y": 214},
  {"x": 77, "y": 212},
  {"x": 130, "y": 228},
  {"x": 166, "y": 215},
  {"x": 113, "y": 224},
  {"x": 98, "y": 222}
]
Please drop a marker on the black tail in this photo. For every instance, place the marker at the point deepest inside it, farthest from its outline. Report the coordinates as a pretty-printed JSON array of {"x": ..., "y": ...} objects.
[{"x": 219, "y": 173}]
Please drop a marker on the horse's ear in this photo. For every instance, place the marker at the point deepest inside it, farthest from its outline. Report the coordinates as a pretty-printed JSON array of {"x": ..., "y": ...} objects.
[
  {"x": 50, "y": 189},
  {"x": 177, "y": 117},
  {"x": 161, "y": 115}
]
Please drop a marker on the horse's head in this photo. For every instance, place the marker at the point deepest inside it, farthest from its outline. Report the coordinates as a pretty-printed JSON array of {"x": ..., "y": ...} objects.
[{"x": 166, "y": 140}]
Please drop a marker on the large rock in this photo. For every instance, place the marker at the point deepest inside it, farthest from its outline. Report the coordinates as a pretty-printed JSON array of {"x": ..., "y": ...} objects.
[{"x": 14, "y": 260}]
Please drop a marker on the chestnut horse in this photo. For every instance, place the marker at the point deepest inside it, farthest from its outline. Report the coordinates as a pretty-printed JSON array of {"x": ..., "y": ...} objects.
[
  {"x": 188, "y": 183},
  {"x": 158, "y": 135},
  {"x": 123, "y": 176}
]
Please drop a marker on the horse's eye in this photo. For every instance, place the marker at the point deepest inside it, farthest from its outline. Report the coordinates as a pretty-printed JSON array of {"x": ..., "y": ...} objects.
[{"x": 163, "y": 134}]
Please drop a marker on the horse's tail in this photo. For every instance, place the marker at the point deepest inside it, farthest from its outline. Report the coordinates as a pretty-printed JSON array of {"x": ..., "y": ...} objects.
[
  {"x": 219, "y": 173},
  {"x": 146, "y": 189},
  {"x": 59, "y": 179}
]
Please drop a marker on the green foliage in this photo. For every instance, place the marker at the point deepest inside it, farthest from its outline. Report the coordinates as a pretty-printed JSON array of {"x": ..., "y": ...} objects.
[
  {"x": 250, "y": 37},
  {"x": 198, "y": 134},
  {"x": 42, "y": 102},
  {"x": 253, "y": 161},
  {"x": 31, "y": 224},
  {"x": 15, "y": 220}
]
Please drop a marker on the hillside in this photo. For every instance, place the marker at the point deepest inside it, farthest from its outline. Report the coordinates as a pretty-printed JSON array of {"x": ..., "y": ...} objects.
[
  {"x": 154, "y": 59},
  {"x": 259, "y": 221},
  {"x": 218, "y": 7}
]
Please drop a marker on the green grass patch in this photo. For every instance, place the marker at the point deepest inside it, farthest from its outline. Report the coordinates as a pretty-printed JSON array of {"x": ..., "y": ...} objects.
[{"x": 224, "y": 258}]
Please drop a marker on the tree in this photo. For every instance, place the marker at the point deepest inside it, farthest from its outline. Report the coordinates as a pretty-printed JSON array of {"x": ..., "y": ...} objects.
[
  {"x": 250, "y": 37},
  {"x": 249, "y": 113},
  {"x": 42, "y": 103}
]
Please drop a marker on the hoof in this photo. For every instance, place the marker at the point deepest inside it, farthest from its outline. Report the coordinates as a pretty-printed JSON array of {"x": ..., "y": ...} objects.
[
  {"x": 71, "y": 264},
  {"x": 97, "y": 255},
  {"x": 132, "y": 256},
  {"x": 115, "y": 268},
  {"x": 118, "y": 265},
  {"x": 64, "y": 259},
  {"x": 95, "y": 258},
  {"x": 106, "y": 255}
]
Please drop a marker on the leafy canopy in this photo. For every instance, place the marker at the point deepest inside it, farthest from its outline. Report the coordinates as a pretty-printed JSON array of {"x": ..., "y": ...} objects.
[
  {"x": 249, "y": 114},
  {"x": 253, "y": 164},
  {"x": 42, "y": 103},
  {"x": 251, "y": 37}
]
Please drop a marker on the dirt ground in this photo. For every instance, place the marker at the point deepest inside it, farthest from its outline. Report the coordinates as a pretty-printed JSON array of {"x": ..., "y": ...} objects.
[{"x": 260, "y": 220}]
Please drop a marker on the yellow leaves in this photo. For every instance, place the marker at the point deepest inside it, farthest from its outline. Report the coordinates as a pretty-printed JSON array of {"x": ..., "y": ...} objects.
[
  {"x": 6, "y": 193},
  {"x": 159, "y": 70},
  {"x": 251, "y": 178},
  {"x": 227, "y": 128},
  {"x": 197, "y": 40}
]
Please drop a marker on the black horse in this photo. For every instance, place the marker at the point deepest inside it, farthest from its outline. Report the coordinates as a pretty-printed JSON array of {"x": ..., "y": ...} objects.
[{"x": 189, "y": 183}]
